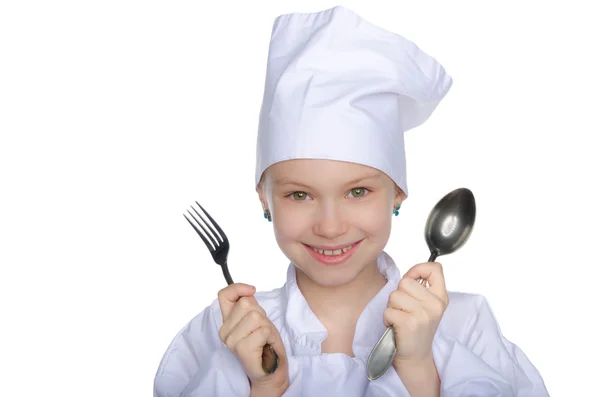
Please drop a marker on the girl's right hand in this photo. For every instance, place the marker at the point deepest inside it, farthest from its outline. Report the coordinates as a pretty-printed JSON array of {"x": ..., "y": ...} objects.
[{"x": 246, "y": 329}]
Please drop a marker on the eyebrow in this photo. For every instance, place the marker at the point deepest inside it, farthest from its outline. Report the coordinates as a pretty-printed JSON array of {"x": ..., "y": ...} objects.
[{"x": 283, "y": 181}]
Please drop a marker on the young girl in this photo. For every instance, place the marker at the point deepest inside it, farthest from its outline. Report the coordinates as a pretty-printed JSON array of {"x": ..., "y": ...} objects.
[{"x": 339, "y": 95}]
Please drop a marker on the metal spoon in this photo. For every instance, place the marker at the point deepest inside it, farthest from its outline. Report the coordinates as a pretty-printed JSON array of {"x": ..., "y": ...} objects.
[{"x": 448, "y": 227}]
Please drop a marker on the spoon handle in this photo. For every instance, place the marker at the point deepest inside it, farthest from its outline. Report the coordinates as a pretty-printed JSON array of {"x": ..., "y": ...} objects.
[{"x": 383, "y": 353}]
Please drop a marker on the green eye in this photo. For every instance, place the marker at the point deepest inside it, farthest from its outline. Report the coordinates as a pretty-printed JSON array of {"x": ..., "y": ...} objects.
[
  {"x": 358, "y": 192},
  {"x": 299, "y": 196}
]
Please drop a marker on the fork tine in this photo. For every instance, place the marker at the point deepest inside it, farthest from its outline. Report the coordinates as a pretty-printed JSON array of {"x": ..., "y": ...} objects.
[
  {"x": 217, "y": 235},
  {"x": 201, "y": 221},
  {"x": 206, "y": 233},
  {"x": 223, "y": 235}
]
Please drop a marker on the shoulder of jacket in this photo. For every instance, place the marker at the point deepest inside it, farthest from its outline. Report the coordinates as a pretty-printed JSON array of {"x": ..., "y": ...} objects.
[
  {"x": 465, "y": 301},
  {"x": 463, "y": 309}
]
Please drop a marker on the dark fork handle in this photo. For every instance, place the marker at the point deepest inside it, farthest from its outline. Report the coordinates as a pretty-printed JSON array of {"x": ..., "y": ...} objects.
[
  {"x": 226, "y": 274},
  {"x": 270, "y": 359}
]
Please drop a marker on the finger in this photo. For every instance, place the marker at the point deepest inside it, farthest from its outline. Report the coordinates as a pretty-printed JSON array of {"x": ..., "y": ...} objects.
[
  {"x": 400, "y": 300},
  {"x": 273, "y": 338},
  {"x": 229, "y": 296},
  {"x": 395, "y": 318},
  {"x": 434, "y": 305},
  {"x": 243, "y": 306},
  {"x": 433, "y": 273},
  {"x": 250, "y": 350},
  {"x": 413, "y": 289},
  {"x": 250, "y": 322}
]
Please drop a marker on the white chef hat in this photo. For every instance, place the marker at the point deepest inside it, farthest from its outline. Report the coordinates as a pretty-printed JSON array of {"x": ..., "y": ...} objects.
[{"x": 340, "y": 88}]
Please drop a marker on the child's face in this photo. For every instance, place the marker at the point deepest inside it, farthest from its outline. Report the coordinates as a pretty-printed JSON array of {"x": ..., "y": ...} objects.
[{"x": 329, "y": 203}]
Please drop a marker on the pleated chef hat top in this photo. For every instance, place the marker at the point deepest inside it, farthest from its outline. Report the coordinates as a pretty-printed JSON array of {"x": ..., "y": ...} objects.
[{"x": 340, "y": 88}]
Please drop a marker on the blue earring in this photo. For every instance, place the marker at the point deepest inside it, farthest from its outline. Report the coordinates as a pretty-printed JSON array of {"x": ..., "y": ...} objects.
[
  {"x": 268, "y": 215},
  {"x": 395, "y": 210}
]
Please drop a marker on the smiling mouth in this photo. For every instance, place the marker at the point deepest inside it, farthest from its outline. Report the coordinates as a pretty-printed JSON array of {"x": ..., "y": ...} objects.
[{"x": 334, "y": 252}]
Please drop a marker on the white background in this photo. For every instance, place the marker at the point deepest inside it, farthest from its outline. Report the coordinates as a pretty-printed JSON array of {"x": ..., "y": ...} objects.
[{"x": 116, "y": 115}]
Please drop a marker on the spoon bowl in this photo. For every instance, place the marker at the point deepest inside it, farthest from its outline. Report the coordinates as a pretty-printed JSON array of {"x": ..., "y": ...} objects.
[
  {"x": 450, "y": 222},
  {"x": 448, "y": 227}
]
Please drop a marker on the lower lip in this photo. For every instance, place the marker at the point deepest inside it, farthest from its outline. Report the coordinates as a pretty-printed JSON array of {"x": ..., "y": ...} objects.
[{"x": 333, "y": 259}]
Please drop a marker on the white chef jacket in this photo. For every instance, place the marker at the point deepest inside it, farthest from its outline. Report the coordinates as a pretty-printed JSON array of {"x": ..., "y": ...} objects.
[{"x": 471, "y": 355}]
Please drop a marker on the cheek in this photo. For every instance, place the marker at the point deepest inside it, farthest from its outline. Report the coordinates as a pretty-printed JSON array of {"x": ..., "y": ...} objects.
[
  {"x": 374, "y": 222},
  {"x": 289, "y": 224},
  {"x": 378, "y": 223}
]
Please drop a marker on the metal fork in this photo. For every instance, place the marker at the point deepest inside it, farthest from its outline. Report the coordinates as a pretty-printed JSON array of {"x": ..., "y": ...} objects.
[{"x": 217, "y": 243}]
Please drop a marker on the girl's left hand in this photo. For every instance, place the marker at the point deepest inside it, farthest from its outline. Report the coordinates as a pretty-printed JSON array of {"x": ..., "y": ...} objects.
[{"x": 415, "y": 312}]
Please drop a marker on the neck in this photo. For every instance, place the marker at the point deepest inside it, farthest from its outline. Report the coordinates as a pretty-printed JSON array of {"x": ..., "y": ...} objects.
[{"x": 342, "y": 302}]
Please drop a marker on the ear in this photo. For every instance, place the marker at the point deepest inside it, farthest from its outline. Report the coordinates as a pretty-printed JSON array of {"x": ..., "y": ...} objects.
[
  {"x": 262, "y": 195},
  {"x": 399, "y": 197}
]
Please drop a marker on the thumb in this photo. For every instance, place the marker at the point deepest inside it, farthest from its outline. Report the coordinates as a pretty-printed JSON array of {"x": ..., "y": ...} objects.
[
  {"x": 433, "y": 273},
  {"x": 229, "y": 296}
]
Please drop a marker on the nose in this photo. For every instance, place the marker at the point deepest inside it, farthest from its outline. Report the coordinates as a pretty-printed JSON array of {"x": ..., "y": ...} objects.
[{"x": 330, "y": 222}]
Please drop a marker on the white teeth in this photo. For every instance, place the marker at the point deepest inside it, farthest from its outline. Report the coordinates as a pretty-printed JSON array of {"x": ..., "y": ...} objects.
[{"x": 332, "y": 252}]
